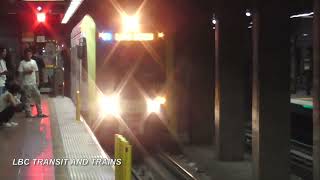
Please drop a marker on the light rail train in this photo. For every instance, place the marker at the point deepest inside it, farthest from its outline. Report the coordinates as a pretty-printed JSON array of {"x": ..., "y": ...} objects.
[{"x": 122, "y": 79}]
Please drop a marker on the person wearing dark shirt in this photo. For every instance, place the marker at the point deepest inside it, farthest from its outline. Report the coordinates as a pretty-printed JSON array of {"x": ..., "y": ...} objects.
[
  {"x": 10, "y": 68},
  {"x": 40, "y": 64}
]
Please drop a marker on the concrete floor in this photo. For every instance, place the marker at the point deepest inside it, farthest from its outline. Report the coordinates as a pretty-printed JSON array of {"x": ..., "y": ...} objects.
[
  {"x": 204, "y": 157},
  {"x": 50, "y": 139}
]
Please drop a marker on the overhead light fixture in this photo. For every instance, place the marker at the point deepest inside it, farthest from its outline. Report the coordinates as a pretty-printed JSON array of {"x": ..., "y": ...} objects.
[
  {"x": 248, "y": 13},
  {"x": 130, "y": 23},
  {"x": 160, "y": 35},
  {"x": 74, "y": 5},
  {"x": 304, "y": 15},
  {"x": 213, "y": 20}
]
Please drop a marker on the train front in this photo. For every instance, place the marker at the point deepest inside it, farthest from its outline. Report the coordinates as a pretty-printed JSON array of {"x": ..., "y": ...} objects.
[{"x": 131, "y": 80}]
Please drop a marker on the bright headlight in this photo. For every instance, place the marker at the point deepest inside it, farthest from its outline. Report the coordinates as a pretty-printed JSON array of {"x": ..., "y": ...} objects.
[
  {"x": 154, "y": 106},
  {"x": 161, "y": 100},
  {"x": 110, "y": 105},
  {"x": 130, "y": 23}
]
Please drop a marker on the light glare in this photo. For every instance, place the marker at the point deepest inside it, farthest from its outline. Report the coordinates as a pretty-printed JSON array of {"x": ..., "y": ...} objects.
[
  {"x": 130, "y": 23},
  {"x": 105, "y": 36},
  {"x": 160, "y": 35},
  {"x": 153, "y": 106},
  {"x": 161, "y": 100},
  {"x": 41, "y": 17},
  {"x": 110, "y": 105},
  {"x": 214, "y": 21}
]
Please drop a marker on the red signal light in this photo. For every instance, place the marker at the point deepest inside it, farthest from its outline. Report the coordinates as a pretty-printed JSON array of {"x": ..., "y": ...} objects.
[
  {"x": 41, "y": 17},
  {"x": 39, "y": 8}
]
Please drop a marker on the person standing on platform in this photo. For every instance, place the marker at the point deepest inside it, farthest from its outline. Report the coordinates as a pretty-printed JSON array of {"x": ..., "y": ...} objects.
[
  {"x": 9, "y": 105},
  {"x": 3, "y": 70},
  {"x": 29, "y": 75},
  {"x": 10, "y": 67}
]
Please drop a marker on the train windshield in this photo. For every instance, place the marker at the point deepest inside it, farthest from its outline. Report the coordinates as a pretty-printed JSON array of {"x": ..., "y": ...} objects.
[{"x": 132, "y": 67}]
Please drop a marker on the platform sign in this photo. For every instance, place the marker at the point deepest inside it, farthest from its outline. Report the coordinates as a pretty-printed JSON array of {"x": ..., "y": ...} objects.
[
  {"x": 41, "y": 39},
  {"x": 27, "y": 37}
]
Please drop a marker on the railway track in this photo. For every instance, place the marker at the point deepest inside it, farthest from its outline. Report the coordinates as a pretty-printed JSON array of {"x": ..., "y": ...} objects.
[
  {"x": 300, "y": 156},
  {"x": 160, "y": 165},
  {"x": 163, "y": 166}
]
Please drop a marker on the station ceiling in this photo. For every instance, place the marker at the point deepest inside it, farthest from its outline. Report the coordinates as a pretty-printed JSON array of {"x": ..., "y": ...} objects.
[
  {"x": 58, "y": 7},
  {"x": 24, "y": 6}
]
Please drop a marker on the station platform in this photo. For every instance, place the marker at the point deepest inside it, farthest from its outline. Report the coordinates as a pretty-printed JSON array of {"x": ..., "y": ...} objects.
[
  {"x": 306, "y": 102},
  {"x": 53, "y": 148},
  {"x": 302, "y": 99},
  {"x": 302, "y": 105}
]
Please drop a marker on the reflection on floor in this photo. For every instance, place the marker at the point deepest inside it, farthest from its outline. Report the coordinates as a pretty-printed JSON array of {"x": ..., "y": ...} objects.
[{"x": 31, "y": 139}]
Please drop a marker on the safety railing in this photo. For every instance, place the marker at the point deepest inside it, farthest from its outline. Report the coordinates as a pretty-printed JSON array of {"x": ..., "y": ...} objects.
[{"x": 123, "y": 151}]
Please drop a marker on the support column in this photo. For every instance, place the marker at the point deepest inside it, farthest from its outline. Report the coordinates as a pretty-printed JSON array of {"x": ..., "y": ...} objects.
[
  {"x": 171, "y": 84},
  {"x": 316, "y": 90},
  {"x": 230, "y": 77},
  {"x": 271, "y": 95}
]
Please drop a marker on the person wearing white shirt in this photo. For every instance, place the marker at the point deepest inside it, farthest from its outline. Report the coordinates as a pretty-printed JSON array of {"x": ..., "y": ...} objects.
[
  {"x": 29, "y": 75},
  {"x": 3, "y": 70}
]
